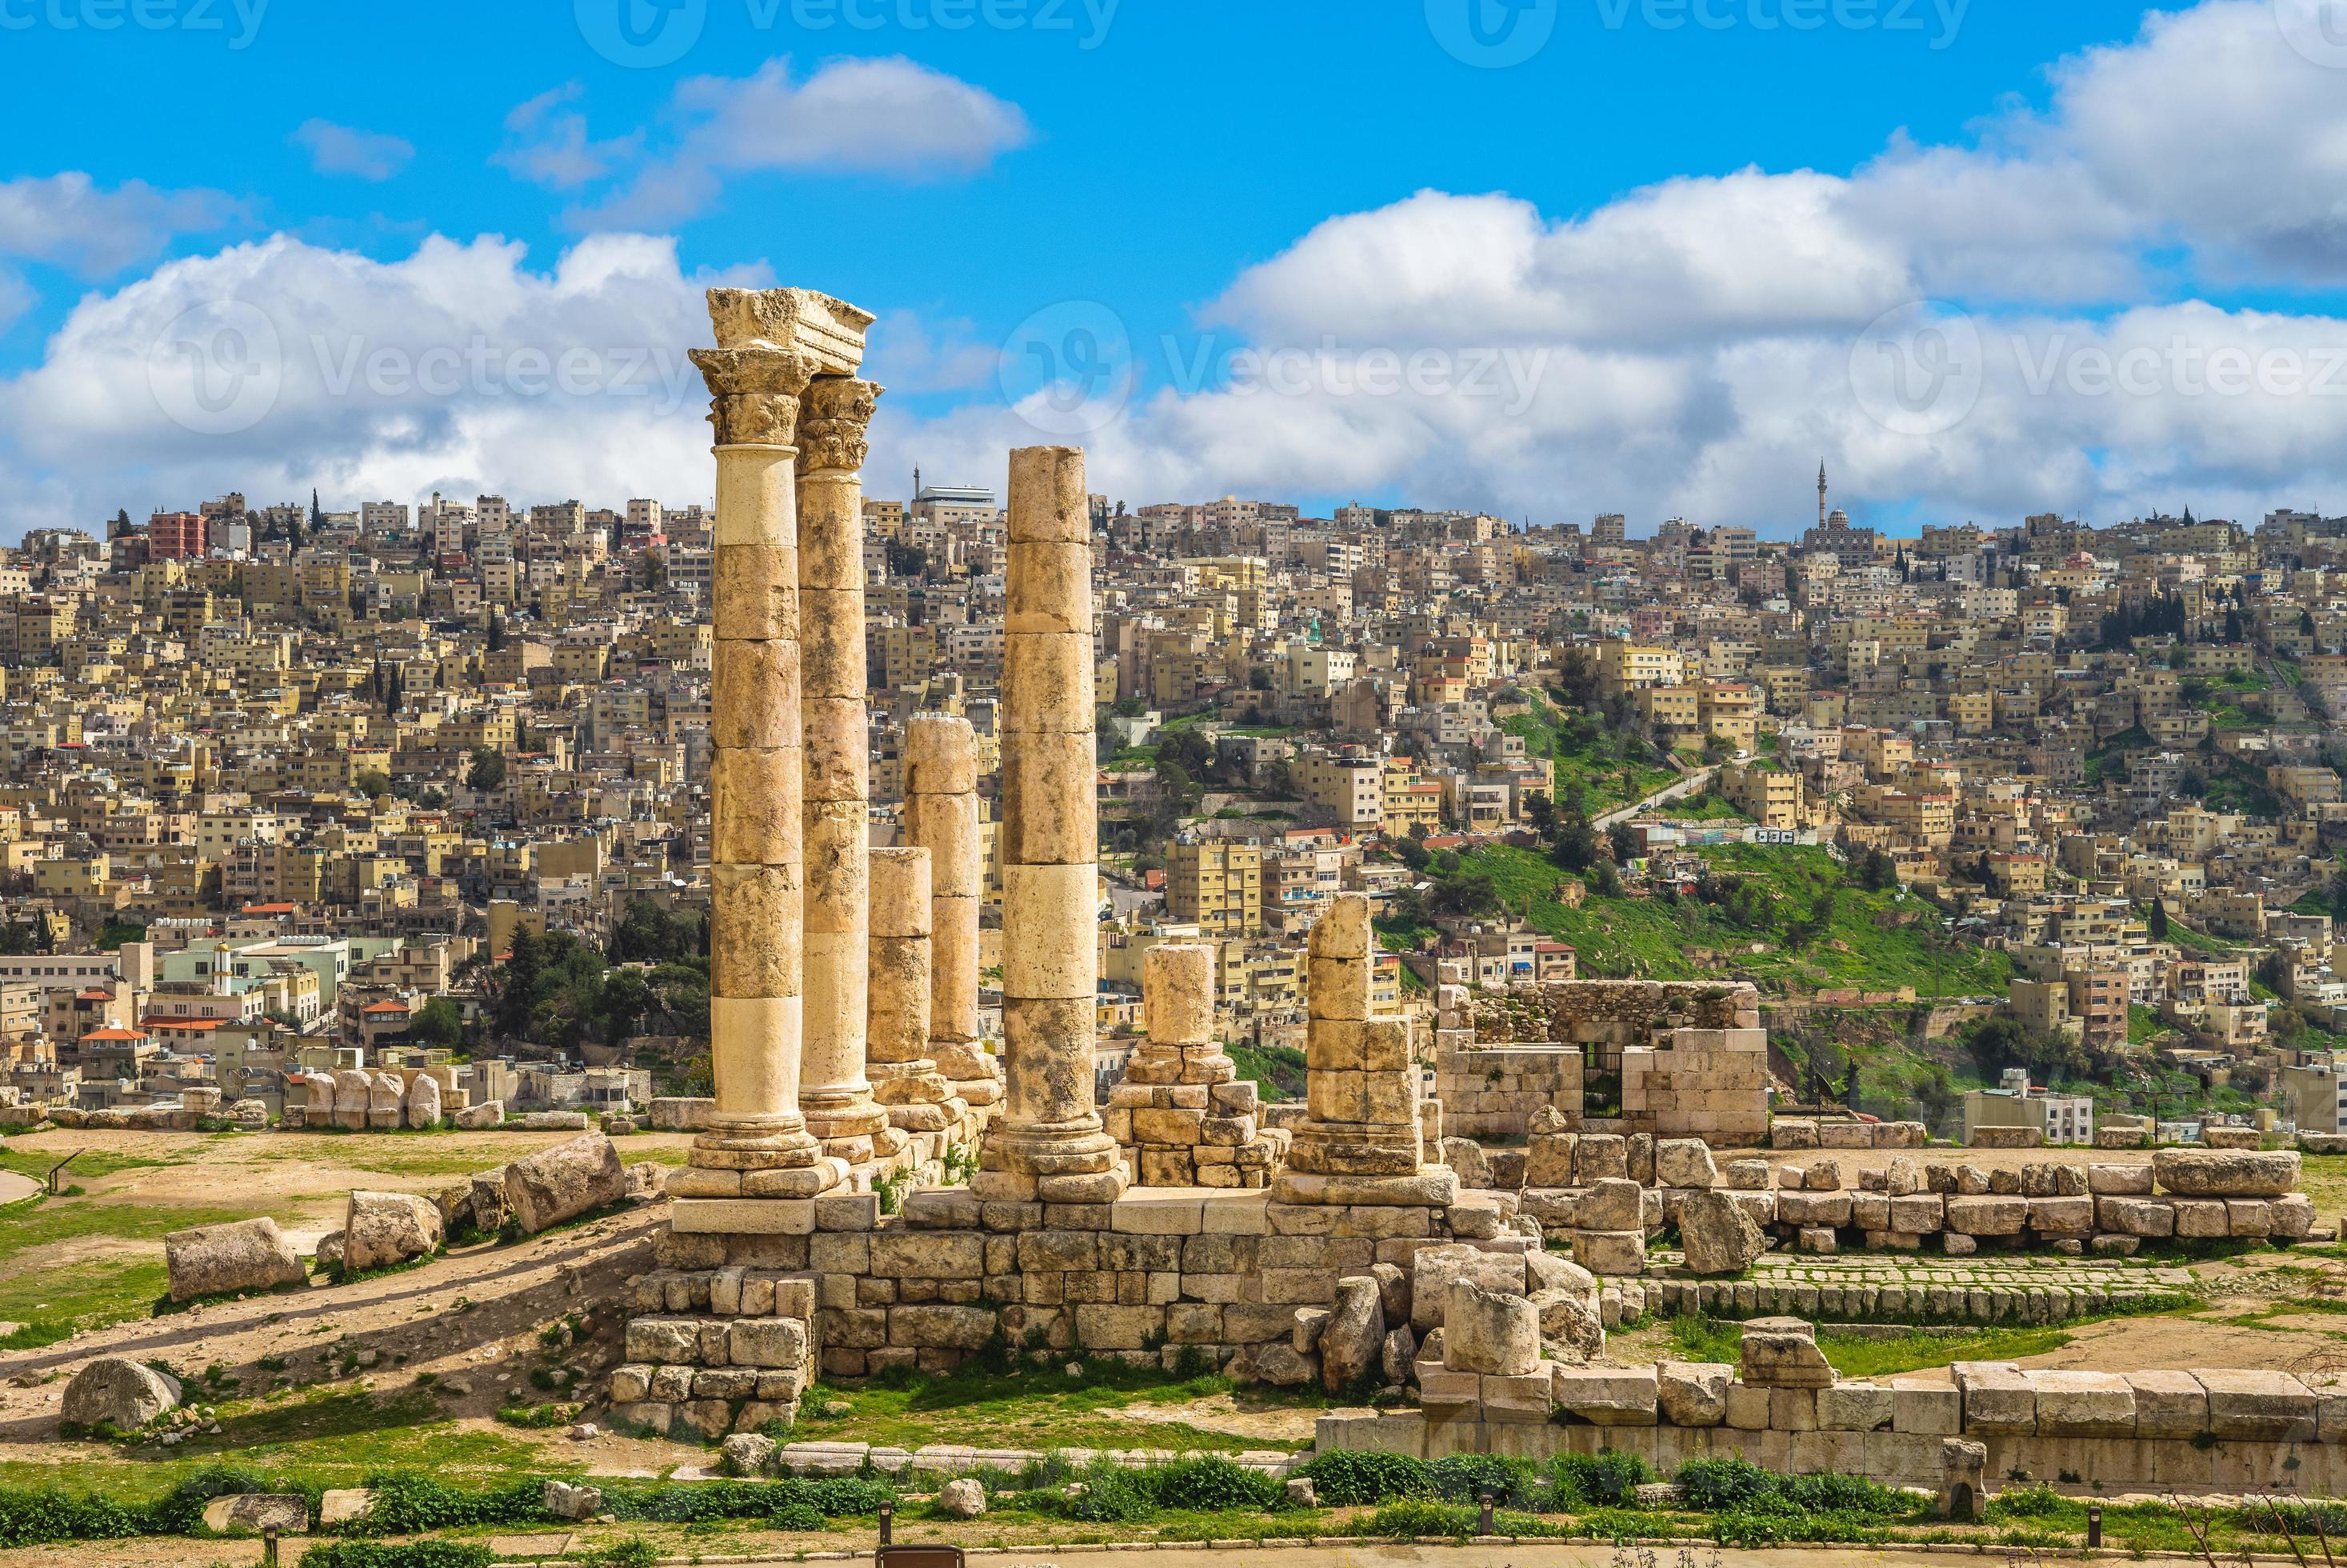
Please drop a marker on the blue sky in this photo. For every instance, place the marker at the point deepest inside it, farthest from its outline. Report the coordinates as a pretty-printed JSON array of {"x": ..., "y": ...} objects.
[{"x": 1646, "y": 268}]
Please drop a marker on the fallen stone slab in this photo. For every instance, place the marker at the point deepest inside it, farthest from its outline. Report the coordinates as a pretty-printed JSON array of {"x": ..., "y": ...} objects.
[
  {"x": 230, "y": 1259},
  {"x": 2226, "y": 1172},
  {"x": 563, "y": 1182},
  {"x": 380, "y": 1229},
  {"x": 252, "y": 1513},
  {"x": 116, "y": 1392}
]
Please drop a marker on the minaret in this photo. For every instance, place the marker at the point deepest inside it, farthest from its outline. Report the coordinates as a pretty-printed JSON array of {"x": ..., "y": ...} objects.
[{"x": 1821, "y": 492}]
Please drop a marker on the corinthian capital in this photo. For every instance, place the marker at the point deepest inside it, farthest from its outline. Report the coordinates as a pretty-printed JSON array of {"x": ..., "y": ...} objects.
[
  {"x": 755, "y": 393},
  {"x": 839, "y": 414}
]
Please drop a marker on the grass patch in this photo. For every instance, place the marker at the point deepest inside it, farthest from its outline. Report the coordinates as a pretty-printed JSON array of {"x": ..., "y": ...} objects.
[
  {"x": 1854, "y": 1356},
  {"x": 1873, "y": 940},
  {"x": 88, "y": 1166},
  {"x": 54, "y": 1301},
  {"x": 1608, "y": 768},
  {"x": 1276, "y": 1070}
]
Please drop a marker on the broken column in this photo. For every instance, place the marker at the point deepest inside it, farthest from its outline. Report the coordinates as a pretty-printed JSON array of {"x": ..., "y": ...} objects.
[
  {"x": 834, "y": 1093},
  {"x": 905, "y": 1078},
  {"x": 940, "y": 754},
  {"x": 1048, "y": 1143},
  {"x": 1181, "y": 1114},
  {"x": 1360, "y": 1141},
  {"x": 771, "y": 345}
]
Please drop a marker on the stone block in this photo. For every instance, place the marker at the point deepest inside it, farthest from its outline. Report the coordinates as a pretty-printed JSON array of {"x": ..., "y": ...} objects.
[
  {"x": 2084, "y": 1404},
  {"x": 1992, "y": 1217},
  {"x": 1855, "y": 1408},
  {"x": 1999, "y": 1398},
  {"x": 2257, "y": 1405},
  {"x": 2226, "y": 1172},
  {"x": 2169, "y": 1403},
  {"x": 1926, "y": 1407},
  {"x": 1608, "y": 1396},
  {"x": 1693, "y": 1393}
]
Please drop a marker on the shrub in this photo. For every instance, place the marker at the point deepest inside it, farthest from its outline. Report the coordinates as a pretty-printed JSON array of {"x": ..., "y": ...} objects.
[
  {"x": 1349, "y": 1480},
  {"x": 1465, "y": 1478},
  {"x": 847, "y": 1495},
  {"x": 628, "y": 1553},
  {"x": 1831, "y": 1494},
  {"x": 29, "y": 1518},
  {"x": 1717, "y": 1485},
  {"x": 408, "y": 1503},
  {"x": 1607, "y": 1479},
  {"x": 804, "y": 1516},
  {"x": 2039, "y": 1501},
  {"x": 1408, "y": 1517},
  {"x": 1212, "y": 1483},
  {"x": 412, "y": 1554},
  {"x": 1111, "y": 1495}
]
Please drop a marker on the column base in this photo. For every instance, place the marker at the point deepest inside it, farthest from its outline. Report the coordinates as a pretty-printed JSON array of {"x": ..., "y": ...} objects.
[
  {"x": 1068, "y": 1163},
  {"x": 847, "y": 1125},
  {"x": 760, "y": 1145}
]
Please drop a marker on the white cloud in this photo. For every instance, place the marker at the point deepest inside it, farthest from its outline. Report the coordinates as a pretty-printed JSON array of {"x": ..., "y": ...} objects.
[
  {"x": 343, "y": 149},
  {"x": 884, "y": 116},
  {"x": 552, "y": 149},
  {"x": 1691, "y": 348},
  {"x": 456, "y": 368},
  {"x": 909, "y": 354},
  {"x": 68, "y": 220}
]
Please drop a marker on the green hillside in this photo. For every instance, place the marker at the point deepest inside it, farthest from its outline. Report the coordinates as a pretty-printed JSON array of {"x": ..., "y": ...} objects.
[
  {"x": 1610, "y": 768},
  {"x": 1768, "y": 898}
]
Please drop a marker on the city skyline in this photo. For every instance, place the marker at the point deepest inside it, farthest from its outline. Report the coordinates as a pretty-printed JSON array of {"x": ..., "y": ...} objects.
[{"x": 1974, "y": 272}]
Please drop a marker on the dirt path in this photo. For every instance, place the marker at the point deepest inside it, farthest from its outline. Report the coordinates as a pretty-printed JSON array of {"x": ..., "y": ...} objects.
[{"x": 13, "y": 1187}]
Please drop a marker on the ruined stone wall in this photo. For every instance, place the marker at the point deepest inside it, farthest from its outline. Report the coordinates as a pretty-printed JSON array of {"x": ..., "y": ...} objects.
[
  {"x": 1955, "y": 1207},
  {"x": 1706, "y": 1083},
  {"x": 1493, "y": 1091},
  {"x": 2198, "y": 1431},
  {"x": 1155, "y": 1274},
  {"x": 1690, "y": 1058}
]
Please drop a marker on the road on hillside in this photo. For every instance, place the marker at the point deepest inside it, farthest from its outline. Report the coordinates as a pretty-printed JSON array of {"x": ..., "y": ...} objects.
[{"x": 1686, "y": 786}]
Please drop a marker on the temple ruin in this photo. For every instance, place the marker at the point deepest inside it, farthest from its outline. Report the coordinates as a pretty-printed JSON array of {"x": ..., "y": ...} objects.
[{"x": 1467, "y": 1249}]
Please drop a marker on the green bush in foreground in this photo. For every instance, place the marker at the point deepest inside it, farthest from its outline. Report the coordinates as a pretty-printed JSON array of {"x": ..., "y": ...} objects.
[
  {"x": 415, "y": 1554},
  {"x": 1568, "y": 1483},
  {"x": 30, "y": 1518}
]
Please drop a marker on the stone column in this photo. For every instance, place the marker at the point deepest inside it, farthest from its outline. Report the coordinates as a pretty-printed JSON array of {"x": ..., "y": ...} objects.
[
  {"x": 940, "y": 754},
  {"x": 1049, "y": 1143},
  {"x": 905, "y": 1079},
  {"x": 1182, "y": 1110},
  {"x": 836, "y": 1095},
  {"x": 770, "y": 346},
  {"x": 1360, "y": 1141}
]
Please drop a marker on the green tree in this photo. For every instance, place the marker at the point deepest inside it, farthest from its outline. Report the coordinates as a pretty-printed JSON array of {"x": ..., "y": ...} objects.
[
  {"x": 488, "y": 770},
  {"x": 440, "y": 1022},
  {"x": 372, "y": 783},
  {"x": 907, "y": 560}
]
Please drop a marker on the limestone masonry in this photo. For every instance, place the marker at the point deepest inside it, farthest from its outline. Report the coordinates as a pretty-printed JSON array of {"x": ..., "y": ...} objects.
[{"x": 1348, "y": 1243}]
